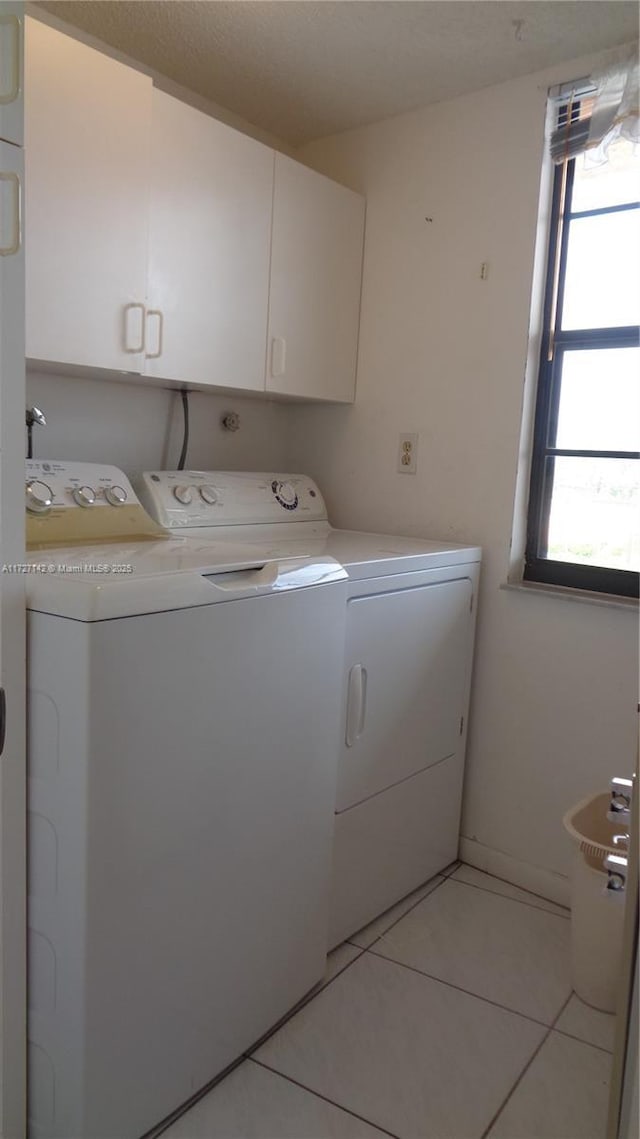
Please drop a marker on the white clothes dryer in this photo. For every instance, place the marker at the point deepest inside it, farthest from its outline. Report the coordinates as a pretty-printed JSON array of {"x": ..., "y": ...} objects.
[
  {"x": 411, "y": 613},
  {"x": 183, "y": 702}
]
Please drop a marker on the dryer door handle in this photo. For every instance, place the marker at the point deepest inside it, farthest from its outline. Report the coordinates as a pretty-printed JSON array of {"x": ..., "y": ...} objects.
[{"x": 356, "y": 704}]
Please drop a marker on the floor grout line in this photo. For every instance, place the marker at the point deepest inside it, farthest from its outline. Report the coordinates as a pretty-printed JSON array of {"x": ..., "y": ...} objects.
[
  {"x": 520, "y": 901},
  {"x": 384, "y": 933},
  {"x": 506, "y": 881},
  {"x": 302, "y": 1003},
  {"x": 161, "y": 1127},
  {"x": 444, "y": 876},
  {"x": 451, "y": 868},
  {"x": 448, "y": 874},
  {"x": 306, "y": 1088},
  {"x": 467, "y": 992},
  {"x": 339, "y": 971},
  {"x": 581, "y": 1040},
  {"x": 524, "y": 1071}
]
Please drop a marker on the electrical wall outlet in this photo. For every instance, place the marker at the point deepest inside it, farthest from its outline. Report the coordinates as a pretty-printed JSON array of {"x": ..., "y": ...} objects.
[{"x": 407, "y": 453}]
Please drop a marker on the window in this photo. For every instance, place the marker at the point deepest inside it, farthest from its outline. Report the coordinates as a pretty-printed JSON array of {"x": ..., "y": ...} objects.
[{"x": 584, "y": 500}]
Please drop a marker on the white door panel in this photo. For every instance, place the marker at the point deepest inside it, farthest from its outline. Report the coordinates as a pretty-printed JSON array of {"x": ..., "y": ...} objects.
[
  {"x": 316, "y": 268},
  {"x": 389, "y": 845},
  {"x": 209, "y": 247},
  {"x": 87, "y": 126},
  {"x": 406, "y": 670}
]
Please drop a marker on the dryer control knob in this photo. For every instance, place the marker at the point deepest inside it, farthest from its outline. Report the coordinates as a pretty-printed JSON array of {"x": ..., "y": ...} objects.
[
  {"x": 183, "y": 494},
  {"x": 39, "y": 497},
  {"x": 115, "y": 495},
  {"x": 208, "y": 494},
  {"x": 83, "y": 495},
  {"x": 285, "y": 494}
]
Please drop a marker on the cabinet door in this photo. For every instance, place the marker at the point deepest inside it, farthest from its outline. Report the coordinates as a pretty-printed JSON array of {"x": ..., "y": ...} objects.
[
  {"x": 11, "y": 72},
  {"x": 316, "y": 269},
  {"x": 87, "y": 125},
  {"x": 407, "y": 656},
  {"x": 209, "y": 242}
]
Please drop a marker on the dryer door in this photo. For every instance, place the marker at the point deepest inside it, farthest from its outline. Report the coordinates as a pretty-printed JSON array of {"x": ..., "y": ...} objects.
[{"x": 406, "y": 667}]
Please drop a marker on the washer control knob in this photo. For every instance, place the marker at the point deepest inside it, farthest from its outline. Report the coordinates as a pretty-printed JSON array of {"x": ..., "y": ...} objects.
[
  {"x": 183, "y": 494},
  {"x": 39, "y": 497},
  {"x": 83, "y": 495},
  {"x": 115, "y": 495},
  {"x": 208, "y": 494}
]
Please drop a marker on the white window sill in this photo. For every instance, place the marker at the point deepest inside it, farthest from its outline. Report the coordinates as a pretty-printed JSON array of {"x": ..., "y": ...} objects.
[{"x": 608, "y": 600}]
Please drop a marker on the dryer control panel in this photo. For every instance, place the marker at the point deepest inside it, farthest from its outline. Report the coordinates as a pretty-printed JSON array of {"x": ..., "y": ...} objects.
[{"x": 229, "y": 498}]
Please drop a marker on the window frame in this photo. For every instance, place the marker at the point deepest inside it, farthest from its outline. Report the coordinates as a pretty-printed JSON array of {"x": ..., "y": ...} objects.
[{"x": 537, "y": 566}]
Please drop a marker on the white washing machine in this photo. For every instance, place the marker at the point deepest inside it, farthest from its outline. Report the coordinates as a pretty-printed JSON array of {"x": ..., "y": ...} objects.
[
  {"x": 183, "y": 702},
  {"x": 410, "y": 624}
]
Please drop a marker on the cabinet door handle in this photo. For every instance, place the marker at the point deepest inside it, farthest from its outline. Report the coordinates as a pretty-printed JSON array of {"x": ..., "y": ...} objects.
[
  {"x": 10, "y": 29},
  {"x": 156, "y": 312},
  {"x": 278, "y": 356},
  {"x": 10, "y": 183},
  {"x": 356, "y": 704},
  {"x": 131, "y": 327}
]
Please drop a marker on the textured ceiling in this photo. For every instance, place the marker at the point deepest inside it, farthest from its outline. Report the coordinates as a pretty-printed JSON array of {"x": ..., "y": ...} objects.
[{"x": 302, "y": 70}]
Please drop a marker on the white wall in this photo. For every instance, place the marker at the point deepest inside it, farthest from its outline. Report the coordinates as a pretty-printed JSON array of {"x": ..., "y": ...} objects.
[
  {"x": 139, "y": 427},
  {"x": 444, "y": 353}
]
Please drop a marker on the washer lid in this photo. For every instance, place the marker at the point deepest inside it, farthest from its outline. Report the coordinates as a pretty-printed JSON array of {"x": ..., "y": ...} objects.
[
  {"x": 363, "y": 555},
  {"x": 99, "y": 583}
]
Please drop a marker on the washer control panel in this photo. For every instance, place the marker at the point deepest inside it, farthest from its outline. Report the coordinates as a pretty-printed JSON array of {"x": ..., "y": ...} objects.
[
  {"x": 65, "y": 485},
  {"x": 70, "y": 502},
  {"x": 229, "y": 498}
]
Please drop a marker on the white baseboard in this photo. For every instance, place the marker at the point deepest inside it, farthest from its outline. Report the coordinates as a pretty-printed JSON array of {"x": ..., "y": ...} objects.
[{"x": 547, "y": 883}]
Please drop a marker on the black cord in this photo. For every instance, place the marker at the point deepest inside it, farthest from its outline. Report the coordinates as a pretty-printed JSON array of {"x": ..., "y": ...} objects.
[
  {"x": 29, "y": 440},
  {"x": 185, "y": 440}
]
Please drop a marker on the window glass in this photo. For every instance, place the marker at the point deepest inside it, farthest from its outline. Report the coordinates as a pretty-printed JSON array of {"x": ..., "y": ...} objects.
[
  {"x": 600, "y": 400},
  {"x": 584, "y": 512},
  {"x": 613, "y": 183},
  {"x": 594, "y": 512},
  {"x": 602, "y": 283}
]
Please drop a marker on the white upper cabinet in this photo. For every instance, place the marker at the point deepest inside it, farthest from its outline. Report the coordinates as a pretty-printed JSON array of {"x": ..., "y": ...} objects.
[
  {"x": 11, "y": 75},
  {"x": 209, "y": 248},
  {"x": 160, "y": 242},
  {"x": 87, "y": 127},
  {"x": 316, "y": 269}
]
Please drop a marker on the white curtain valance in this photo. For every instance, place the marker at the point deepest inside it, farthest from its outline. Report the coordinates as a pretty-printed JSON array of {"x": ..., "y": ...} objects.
[{"x": 606, "y": 109}]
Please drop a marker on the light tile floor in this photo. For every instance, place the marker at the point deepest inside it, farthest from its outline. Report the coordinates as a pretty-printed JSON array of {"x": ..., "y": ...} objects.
[{"x": 449, "y": 1017}]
